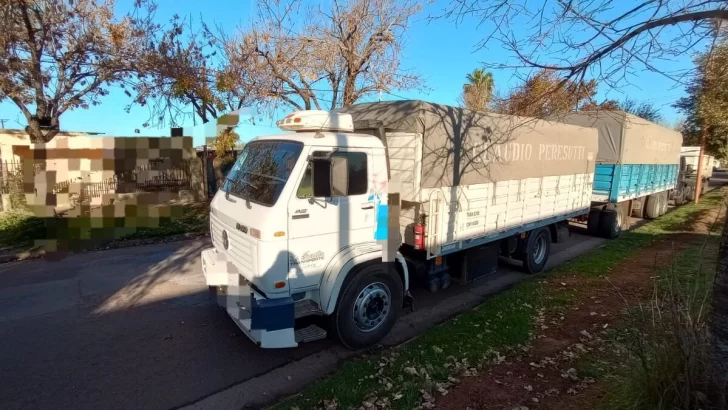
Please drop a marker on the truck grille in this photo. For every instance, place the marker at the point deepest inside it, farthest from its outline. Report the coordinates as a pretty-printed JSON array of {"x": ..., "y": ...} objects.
[{"x": 241, "y": 249}]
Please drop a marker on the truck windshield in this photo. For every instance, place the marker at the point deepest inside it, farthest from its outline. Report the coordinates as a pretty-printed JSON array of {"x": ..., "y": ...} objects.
[{"x": 261, "y": 171}]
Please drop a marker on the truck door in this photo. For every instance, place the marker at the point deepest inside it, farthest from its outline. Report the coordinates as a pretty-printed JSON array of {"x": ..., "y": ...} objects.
[{"x": 318, "y": 228}]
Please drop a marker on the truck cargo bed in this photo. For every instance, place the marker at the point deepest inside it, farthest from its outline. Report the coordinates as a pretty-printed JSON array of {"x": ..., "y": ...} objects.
[
  {"x": 617, "y": 183},
  {"x": 467, "y": 216}
]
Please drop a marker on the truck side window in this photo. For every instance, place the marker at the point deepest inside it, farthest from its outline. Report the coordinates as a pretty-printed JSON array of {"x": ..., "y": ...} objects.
[{"x": 358, "y": 180}]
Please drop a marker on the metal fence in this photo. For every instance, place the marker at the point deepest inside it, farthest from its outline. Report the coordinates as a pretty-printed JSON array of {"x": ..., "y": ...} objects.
[{"x": 12, "y": 175}]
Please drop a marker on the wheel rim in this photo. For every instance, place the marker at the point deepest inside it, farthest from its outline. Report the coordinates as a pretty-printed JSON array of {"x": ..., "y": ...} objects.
[
  {"x": 618, "y": 222},
  {"x": 372, "y": 307},
  {"x": 539, "y": 250}
]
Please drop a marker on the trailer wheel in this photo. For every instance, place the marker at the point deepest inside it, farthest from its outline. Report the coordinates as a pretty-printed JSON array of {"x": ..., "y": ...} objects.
[
  {"x": 611, "y": 221},
  {"x": 663, "y": 203},
  {"x": 538, "y": 248},
  {"x": 368, "y": 307},
  {"x": 652, "y": 208},
  {"x": 592, "y": 224}
]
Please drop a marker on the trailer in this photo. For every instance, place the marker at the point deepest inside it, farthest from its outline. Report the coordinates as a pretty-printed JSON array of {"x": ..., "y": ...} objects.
[
  {"x": 637, "y": 170},
  {"x": 338, "y": 219}
]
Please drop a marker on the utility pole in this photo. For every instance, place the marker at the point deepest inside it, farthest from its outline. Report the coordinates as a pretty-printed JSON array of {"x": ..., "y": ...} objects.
[
  {"x": 703, "y": 122},
  {"x": 2, "y": 122}
]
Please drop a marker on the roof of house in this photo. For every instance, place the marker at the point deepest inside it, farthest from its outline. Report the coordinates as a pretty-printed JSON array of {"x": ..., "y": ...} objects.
[{"x": 22, "y": 133}]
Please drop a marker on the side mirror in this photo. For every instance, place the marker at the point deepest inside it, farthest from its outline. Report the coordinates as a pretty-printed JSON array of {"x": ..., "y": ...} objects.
[{"x": 321, "y": 178}]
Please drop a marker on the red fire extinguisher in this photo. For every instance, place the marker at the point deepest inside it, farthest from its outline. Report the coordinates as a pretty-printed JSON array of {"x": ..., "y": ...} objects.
[{"x": 419, "y": 236}]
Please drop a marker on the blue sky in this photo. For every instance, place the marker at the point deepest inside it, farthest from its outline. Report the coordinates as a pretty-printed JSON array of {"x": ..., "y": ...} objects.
[{"x": 440, "y": 51}]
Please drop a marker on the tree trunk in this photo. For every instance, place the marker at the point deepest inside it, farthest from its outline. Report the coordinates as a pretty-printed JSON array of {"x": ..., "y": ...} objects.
[
  {"x": 349, "y": 94},
  {"x": 219, "y": 165},
  {"x": 37, "y": 134},
  {"x": 718, "y": 326}
]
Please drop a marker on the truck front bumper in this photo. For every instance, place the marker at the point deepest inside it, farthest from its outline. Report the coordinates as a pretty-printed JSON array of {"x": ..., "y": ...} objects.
[{"x": 269, "y": 323}]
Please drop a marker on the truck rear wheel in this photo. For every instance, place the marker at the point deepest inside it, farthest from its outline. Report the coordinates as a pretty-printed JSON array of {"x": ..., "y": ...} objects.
[
  {"x": 538, "y": 248},
  {"x": 610, "y": 223},
  {"x": 592, "y": 224},
  {"x": 368, "y": 307}
]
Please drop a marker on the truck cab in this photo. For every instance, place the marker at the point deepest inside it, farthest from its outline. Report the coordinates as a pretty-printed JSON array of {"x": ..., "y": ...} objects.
[{"x": 299, "y": 229}]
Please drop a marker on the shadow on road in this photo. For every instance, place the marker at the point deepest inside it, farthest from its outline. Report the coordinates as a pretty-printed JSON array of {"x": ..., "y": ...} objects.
[{"x": 127, "y": 328}]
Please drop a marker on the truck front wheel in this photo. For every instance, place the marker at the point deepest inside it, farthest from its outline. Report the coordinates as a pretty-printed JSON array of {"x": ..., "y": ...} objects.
[
  {"x": 538, "y": 247},
  {"x": 368, "y": 307}
]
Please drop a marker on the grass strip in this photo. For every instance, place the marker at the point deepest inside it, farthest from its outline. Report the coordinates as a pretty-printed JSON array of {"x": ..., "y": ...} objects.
[
  {"x": 19, "y": 230},
  {"x": 403, "y": 376}
]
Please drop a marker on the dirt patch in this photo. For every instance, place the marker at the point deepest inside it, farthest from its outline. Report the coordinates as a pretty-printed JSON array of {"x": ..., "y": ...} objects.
[{"x": 544, "y": 375}]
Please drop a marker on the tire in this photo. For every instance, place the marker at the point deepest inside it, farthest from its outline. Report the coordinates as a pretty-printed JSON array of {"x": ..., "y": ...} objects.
[
  {"x": 679, "y": 196},
  {"x": 652, "y": 207},
  {"x": 538, "y": 248},
  {"x": 367, "y": 308},
  {"x": 610, "y": 224},
  {"x": 592, "y": 225},
  {"x": 690, "y": 193},
  {"x": 663, "y": 203}
]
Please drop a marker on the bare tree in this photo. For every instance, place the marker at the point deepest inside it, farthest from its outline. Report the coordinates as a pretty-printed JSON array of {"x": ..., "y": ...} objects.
[
  {"x": 581, "y": 38},
  {"x": 545, "y": 94},
  {"x": 337, "y": 56},
  {"x": 187, "y": 66},
  {"x": 643, "y": 109},
  {"x": 58, "y": 55}
]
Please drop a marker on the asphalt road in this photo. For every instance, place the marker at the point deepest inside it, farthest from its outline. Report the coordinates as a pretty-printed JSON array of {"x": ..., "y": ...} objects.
[{"x": 136, "y": 328}]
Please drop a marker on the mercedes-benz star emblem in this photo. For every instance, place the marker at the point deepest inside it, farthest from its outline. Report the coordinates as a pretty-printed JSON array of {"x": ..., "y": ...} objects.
[{"x": 225, "y": 242}]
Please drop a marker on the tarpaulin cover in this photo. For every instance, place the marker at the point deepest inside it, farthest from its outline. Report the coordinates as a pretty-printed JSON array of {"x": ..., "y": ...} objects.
[
  {"x": 628, "y": 139},
  {"x": 464, "y": 147}
]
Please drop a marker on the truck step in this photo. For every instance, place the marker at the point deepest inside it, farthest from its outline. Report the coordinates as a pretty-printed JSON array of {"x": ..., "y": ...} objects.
[
  {"x": 309, "y": 334},
  {"x": 305, "y": 308}
]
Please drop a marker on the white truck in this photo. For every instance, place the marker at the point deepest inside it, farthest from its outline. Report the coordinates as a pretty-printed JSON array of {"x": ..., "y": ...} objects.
[
  {"x": 342, "y": 216},
  {"x": 689, "y": 157}
]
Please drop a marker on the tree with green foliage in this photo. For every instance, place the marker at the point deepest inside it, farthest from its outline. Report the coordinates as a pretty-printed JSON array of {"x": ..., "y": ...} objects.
[
  {"x": 706, "y": 111},
  {"x": 478, "y": 92},
  {"x": 708, "y": 105}
]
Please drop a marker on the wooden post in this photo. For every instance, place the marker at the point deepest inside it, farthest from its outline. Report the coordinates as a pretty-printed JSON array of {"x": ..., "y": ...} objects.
[
  {"x": 204, "y": 172},
  {"x": 699, "y": 173},
  {"x": 703, "y": 122},
  {"x": 6, "y": 202}
]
